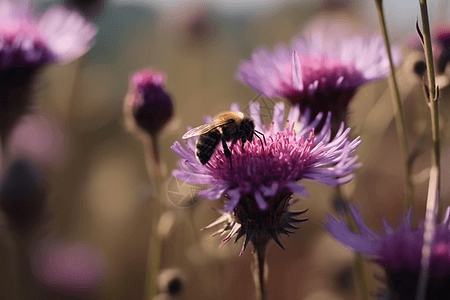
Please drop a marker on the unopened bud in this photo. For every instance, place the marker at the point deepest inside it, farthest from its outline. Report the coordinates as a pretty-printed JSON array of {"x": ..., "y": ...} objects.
[
  {"x": 147, "y": 103},
  {"x": 171, "y": 281}
]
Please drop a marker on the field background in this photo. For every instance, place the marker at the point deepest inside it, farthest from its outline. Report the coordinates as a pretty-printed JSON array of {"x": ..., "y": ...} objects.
[{"x": 101, "y": 192}]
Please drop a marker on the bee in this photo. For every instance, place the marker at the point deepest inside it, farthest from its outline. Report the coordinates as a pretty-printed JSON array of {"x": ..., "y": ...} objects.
[{"x": 228, "y": 126}]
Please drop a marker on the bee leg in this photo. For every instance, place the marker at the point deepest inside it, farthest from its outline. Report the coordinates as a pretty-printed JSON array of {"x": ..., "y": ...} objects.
[
  {"x": 256, "y": 134},
  {"x": 232, "y": 144},
  {"x": 227, "y": 151},
  {"x": 243, "y": 139}
]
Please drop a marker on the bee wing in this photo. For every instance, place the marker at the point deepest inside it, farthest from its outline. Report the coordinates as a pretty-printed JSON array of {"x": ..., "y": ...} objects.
[{"x": 202, "y": 129}]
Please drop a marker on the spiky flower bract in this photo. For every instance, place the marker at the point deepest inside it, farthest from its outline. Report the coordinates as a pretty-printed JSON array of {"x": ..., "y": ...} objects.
[
  {"x": 265, "y": 176},
  {"x": 26, "y": 45},
  {"x": 399, "y": 252},
  {"x": 318, "y": 72},
  {"x": 259, "y": 227},
  {"x": 147, "y": 104}
]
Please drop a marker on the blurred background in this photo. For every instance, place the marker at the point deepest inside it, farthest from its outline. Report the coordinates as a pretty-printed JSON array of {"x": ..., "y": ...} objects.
[{"x": 99, "y": 209}]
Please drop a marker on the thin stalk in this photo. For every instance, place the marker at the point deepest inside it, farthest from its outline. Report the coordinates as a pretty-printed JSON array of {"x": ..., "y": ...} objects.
[
  {"x": 152, "y": 161},
  {"x": 360, "y": 273},
  {"x": 258, "y": 273},
  {"x": 398, "y": 109},
  {"x": 433, "y": 197},
  {"x": 358, "y": 262},
  {"x": 27, "y": 284}
]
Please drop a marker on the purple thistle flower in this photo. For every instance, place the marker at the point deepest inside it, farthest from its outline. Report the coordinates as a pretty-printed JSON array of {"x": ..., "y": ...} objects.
[
  {"x": 27, "y": 44},
  {"x": 60, "y": 35},
  {"x": 399, "y": 252},
  {"x": 319, "y": 72},
  {"x": 264, "y": 178},
  {"x": 292, "y": 153},
  {"x": 147, "y": 104}
]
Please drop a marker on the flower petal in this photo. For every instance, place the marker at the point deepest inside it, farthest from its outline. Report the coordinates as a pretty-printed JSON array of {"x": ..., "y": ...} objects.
[
  {"x": 262, "y": 204},
  {"x": 297, "y": 80}
]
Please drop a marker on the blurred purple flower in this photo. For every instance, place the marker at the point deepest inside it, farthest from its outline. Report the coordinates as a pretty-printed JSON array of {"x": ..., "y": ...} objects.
[
  {"x": 399, "y": 253},
  {"x": 61, "y": 35},
  {"x": 69, "y": 267},
  {"x": 292, "y": 153},
  {"x": 39, "y": 138},
  {"x": 441, "y": 42},
  {"x": 201, "y": 27},
  {"x": 441, "y": 49},
  {"x": 318, "y": 72},
  {"x": 147, "y": 104},
  {"x": 441, "y": 33}
]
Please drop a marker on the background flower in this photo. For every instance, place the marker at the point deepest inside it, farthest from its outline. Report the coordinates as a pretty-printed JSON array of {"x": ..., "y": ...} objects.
[
  {"x": 26, "y": 45},
  {"x": 399, "y": 252},
  {"x": 318, "y": 71},
  {"x": 147, "y": 104},
  {"x": 60, "y": 35}
]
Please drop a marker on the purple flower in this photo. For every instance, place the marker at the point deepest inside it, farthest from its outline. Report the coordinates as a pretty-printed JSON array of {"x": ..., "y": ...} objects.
[
  {"x": 60, "y": 35},
  {"x": 147, "y": 104},
  {"x": 441, "y": 42},
  {"x": 293, "y": 152},
  {"x": 264, "y": 177},
  {"x": 27, "y": 44},
  {"x": 399, "y": 253},
  {"x": 72, "y": 268},
  {"x": 318, "y": 72},
  {"x": 40, "y": 138},
  {"x": 441, "y": 51}
]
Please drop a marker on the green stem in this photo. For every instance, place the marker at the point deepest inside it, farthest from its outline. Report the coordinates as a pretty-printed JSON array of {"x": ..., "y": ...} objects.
[
  {"x": 433, "y": 197},
  {"x": 359, "y": 261},
  {"x": 27, "y": 283},
  {"x": 152, "y": 160},
  {"x": 258, "y": 272},
  {"x": 398, "y": 108}
]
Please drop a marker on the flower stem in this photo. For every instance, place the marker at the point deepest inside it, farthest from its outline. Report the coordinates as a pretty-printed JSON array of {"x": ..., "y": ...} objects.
[
  {"x": 433, "y": 197},
  {"x": 152, "y": 162},
  {"x": 258, "y": 273},
  {"x": 27, "y": 284},
  {"x": 398, "y": 108},
  {"x": 358, "y": 262}
]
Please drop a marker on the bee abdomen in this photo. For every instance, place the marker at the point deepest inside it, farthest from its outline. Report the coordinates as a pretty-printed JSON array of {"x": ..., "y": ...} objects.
[{"x": 206, "y": 144}]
